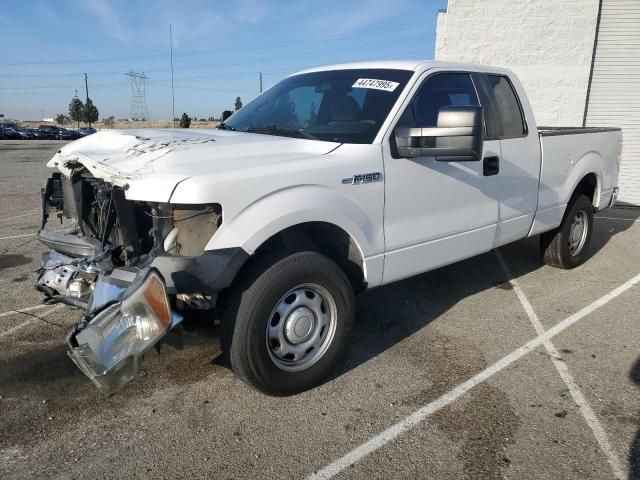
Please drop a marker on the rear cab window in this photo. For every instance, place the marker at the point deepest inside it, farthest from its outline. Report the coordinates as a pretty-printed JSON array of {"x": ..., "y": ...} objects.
[{"x": 507, "y": 108}]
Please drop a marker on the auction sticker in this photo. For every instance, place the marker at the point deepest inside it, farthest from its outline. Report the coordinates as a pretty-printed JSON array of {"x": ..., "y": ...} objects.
[{"x": 385, "y": 85}]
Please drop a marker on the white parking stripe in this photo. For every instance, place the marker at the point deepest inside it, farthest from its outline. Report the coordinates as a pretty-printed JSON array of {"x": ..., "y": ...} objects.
[
  {"x": 420, "y": 415},
  {"x": 29, "y": 234},
  {"x": 30, "y": 321},
  {"x": 20, "y": 216},
  {"x": 18, "y": 236},
  {"x": 562, "y": 368},
  {"x": 20, "y": 310}
]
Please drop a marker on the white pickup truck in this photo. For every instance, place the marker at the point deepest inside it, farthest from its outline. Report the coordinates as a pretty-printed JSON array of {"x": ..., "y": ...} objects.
[{"x": 333, "y": 181}]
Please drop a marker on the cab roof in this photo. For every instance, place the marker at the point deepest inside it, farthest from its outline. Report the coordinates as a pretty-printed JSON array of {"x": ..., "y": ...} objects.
[{"x": 413, "y": 65}]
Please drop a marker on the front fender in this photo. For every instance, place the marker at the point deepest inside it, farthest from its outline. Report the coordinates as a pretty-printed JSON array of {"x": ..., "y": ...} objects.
[{"x": 271, "y": 214}]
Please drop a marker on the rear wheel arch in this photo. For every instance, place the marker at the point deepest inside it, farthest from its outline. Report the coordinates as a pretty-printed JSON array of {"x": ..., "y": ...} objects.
[{"x": 589, "y": 186}]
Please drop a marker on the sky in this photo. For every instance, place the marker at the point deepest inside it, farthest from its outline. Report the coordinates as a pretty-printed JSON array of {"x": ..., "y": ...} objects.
[{"x": 219, "y": 48}]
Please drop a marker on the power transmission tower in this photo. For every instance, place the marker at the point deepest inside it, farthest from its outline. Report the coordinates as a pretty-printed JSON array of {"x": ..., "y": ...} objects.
[{"x": 139, "y": 109}]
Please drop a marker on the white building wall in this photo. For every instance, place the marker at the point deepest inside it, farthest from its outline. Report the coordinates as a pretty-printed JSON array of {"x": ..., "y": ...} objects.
[{"x": 548, "y": 43}]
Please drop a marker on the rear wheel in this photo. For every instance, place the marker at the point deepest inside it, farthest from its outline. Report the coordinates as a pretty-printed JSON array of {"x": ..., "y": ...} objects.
[
  {"x": 287, "y": 322},
  {"x": 567, "y": 246}
]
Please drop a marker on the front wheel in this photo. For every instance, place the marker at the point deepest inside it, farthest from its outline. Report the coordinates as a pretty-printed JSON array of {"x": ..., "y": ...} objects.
[
  {"x": 288, "y": 321},
  {"x": 567, "y": 246}
]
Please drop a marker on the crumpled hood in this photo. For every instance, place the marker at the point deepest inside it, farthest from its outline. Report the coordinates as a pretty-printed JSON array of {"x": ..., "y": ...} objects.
[{"x": 149, "y": 163}]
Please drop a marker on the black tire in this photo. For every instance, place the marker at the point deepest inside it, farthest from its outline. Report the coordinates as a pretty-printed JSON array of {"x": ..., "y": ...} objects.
[
  {"x": 555, "y": 244},
  {"x": 248, "y": 309}
]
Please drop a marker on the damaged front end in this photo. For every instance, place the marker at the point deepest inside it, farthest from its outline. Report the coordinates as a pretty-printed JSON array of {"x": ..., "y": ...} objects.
[
  {"x": 109, "y": 346},
  {"x": 127, "y": 264}
]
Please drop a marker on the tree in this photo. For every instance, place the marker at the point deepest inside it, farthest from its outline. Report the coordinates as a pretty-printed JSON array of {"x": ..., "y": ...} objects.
[
  {"x": 238, "y": 103},
  {"x": 185, "y": 121},
  {"x": 76, "y": 110},
  {"x": 108, "y": 122},
  {"x": 61, "y": 119},
  {"x": 90, "y": 112}
]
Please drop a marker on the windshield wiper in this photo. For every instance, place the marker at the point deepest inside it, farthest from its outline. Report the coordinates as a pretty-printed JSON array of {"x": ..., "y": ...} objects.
[{"x": 285, "y": 131}]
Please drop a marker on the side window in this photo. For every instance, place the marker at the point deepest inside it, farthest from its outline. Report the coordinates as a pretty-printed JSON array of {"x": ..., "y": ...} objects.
[
  {"x": 507, "y": 107},
  {"x": 440, "y": 90}
]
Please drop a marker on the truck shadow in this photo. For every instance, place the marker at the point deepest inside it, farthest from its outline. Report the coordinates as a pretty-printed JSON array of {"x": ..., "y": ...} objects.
[{"x": 387, "y": 315}]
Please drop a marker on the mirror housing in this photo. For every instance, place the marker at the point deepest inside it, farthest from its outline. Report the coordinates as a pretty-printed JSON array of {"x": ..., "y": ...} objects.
[{"x": 457, "y": 138}]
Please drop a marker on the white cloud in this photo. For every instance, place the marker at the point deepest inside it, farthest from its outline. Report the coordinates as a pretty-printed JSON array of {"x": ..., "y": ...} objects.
[
  {"x": 107, "y": 16},
  {"x": 353, "y": 16}
]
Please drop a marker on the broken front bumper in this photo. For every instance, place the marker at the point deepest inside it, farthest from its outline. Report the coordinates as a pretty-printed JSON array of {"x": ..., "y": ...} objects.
[
  {"x": 109, "y": 348},
  {"x": 127, "y": 309}
]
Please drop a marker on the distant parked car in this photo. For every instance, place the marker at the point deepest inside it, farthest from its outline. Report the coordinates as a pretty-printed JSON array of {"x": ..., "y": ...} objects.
[
  {"x": 66, "y": 134},
  {"x": 87, "y": 131},
  {"x": 10, "y": 134},
  {"x": 49, "y": 132},
  {"x": 27, "y": 133},
  {"x": 39, "y": 134}
]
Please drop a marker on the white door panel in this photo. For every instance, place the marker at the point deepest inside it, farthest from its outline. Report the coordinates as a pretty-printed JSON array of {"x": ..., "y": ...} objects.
[
  {"x": 518, "y": 192},
  {"x": 437, "y": 212}
]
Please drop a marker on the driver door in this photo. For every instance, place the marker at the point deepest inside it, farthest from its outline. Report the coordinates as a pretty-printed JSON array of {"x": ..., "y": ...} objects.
[{"x": 438, "y": 212}]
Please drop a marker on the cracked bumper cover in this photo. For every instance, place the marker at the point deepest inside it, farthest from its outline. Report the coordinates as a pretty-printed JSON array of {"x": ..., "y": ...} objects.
[
  {"x": 110, "y": 346},
  {"x": 121, "y": 321}
]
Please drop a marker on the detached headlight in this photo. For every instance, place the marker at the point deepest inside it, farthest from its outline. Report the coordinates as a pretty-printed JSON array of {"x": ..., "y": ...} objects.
[{"x": 110, "y": 348}]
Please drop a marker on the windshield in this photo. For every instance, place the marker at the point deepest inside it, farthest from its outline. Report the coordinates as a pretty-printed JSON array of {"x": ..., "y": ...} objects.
[{"x": 346, "y": 106}]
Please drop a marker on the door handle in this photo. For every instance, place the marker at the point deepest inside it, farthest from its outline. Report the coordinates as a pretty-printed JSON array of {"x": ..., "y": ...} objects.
[{"x": 490, "y": 166}]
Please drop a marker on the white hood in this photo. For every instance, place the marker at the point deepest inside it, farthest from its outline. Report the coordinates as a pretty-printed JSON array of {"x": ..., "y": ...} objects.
[{"x": 150, "y": 163}]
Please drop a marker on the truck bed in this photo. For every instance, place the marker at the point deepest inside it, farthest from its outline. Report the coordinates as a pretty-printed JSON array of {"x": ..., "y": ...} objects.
[{"x": 567, "y": 153}]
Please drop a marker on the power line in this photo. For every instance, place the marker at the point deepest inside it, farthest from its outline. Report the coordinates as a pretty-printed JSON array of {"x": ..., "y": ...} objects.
[
  {"x": 378, "y": 44},
  {"x": 258, "y": 46},
  {"x": 308, "y": 57}
]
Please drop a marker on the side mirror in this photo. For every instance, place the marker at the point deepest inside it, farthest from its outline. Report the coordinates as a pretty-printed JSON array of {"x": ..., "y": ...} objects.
[
  {"x": 457, "y": 138},
  {"x": 226, "y": 114}
]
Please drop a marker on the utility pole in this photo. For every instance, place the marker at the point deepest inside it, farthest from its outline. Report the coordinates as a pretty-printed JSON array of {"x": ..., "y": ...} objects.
[
  {"x": 86, "y": 87},
  {"x": 260, "y": 82},
  {"x": 173, "y": 95}
]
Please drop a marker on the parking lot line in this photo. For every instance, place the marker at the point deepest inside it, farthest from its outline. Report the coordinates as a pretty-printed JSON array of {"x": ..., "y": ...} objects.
[
  {"x": 21, "y": 310},
  {"x": 28, "y": 234},
  {"x": 578, "y": 397},
  {"x": 20, "y": 216},
  {"x": 18, "y": 236},
  {"x": 28, "y": 322},
  {"x": 421, "y": 414}
]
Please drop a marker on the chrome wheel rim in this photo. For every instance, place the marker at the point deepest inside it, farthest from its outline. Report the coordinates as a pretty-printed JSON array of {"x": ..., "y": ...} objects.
[
  {"x": 578, "y": 233},
  {"x": 301, "y": 327}
]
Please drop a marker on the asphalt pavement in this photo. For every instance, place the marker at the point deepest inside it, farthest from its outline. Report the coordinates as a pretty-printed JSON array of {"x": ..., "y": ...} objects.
[{"x": 481, "y": 369}]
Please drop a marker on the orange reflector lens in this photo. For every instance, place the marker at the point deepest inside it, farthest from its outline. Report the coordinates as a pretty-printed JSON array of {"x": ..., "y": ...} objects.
[{"x": 156, "y": 297}]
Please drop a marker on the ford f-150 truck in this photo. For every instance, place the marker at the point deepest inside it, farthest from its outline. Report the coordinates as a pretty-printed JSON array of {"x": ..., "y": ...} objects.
[{"x": 333, "y": 181}]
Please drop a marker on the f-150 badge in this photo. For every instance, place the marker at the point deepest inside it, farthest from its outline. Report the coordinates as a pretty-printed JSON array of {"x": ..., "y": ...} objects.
[{"x": 362, "y": 178}]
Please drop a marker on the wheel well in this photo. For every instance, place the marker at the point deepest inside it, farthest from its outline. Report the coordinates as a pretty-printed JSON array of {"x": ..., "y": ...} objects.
[
  {"x": 587, "y": 186},
  {"x": 324, "y": 238}
]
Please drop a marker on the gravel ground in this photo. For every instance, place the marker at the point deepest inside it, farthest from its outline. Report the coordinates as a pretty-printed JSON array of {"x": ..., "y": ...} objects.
[{"x": 415, "y": 340}]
